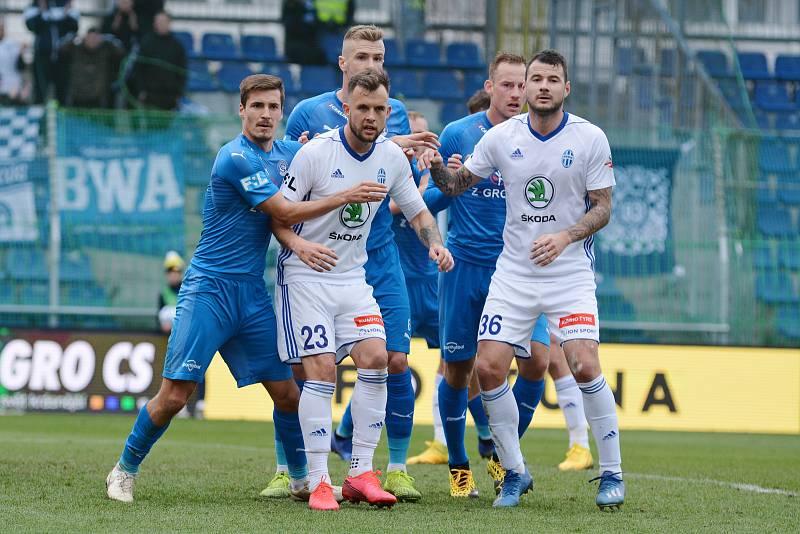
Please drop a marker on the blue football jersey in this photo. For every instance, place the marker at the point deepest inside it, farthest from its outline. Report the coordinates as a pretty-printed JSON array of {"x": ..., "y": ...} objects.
[
  {"x": 235, "y": 234},
  {"x": 413, "y": 255},
  {"x": 324, "y": 112},
  {"x": 477, "y": 216}
]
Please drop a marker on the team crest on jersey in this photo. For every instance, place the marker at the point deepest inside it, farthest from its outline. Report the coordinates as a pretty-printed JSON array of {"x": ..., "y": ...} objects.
[
  {"x": 539, "y": 191},
  {"x": 567, "y": 158},
  {"x": 496, "y": 178},
  {"x": 381, "y": 176},
  {"x": 354, "y": 215}
]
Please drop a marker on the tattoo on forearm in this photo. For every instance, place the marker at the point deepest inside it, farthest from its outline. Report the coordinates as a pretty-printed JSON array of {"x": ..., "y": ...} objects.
[
  {"x": 450, "y": 182},
  {"x": 429, "y": 234},
  {"x": 597, "y": 217}
]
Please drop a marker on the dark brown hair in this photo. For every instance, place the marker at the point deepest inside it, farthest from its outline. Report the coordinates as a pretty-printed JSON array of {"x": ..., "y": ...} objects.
[
  {"x": 370, "y": 80},
  {"x": 549, "y": 57},
  {"x": 259, "y": 82}
]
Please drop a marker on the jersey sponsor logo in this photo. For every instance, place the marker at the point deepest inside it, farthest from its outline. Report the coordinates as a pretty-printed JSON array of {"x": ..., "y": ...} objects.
[
  {"x": 288, "y": 181},
  {"x": 488, "y": 192},
  {"x": 371, "y": 331},
  {"x": 191, "y": 365},
  {"x": 338, "y": 111},
  {"x": 567, "y": 158},
  {"x": 517, "y": 154},
  {"x": 452, "y": 346},
  {"x": 336, "y": 236},
  {"x": 337, "y": 174},
  {"x": 538, "y": 218},
  {"x": 539, "y": 191},
  {"x": 354, "y": 215},
  {"x": 254, "y": 181},
  {"x": 364, "y": 320},
  {"x": 576, "y": 318},
  {"x": 381, "y": 179}
]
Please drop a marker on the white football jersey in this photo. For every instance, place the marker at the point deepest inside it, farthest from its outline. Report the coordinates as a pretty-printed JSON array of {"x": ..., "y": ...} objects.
[
  {"x": 546, "y": 180},
  {"x": 326, "y": 165}
]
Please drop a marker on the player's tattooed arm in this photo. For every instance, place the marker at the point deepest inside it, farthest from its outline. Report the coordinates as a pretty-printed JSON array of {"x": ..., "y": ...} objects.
[
  {"x": 548, "y": 247},
  {"x": 314, "y": 255},
  {"x": 451, "y": 182},
  {"x": 428, "y": 232}
]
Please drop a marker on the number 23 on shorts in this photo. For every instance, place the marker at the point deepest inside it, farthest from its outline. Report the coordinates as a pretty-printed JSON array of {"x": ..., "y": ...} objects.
[{"x": 308, "y": 333}]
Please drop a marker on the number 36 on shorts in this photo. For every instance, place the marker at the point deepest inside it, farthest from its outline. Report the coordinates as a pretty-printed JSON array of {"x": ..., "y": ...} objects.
[{"x": 491, "y": 323}]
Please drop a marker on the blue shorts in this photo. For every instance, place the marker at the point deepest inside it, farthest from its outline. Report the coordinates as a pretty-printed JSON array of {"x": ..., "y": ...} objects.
[
  {"x": 234, "y": 317},
  {"x": 462, "y": 294},
  {"x": 422, "y": 294},
  {"x": 385, "y": 276}
]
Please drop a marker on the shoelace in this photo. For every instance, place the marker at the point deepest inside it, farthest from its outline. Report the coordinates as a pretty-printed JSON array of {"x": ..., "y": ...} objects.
[
  {"x": 607, "y": 478},
  {"x": 405, "y": 476},
  {"x": 461, "y": 477},
  {"x": 126, "y": 482},
  {"x": 511, "y": 483}
]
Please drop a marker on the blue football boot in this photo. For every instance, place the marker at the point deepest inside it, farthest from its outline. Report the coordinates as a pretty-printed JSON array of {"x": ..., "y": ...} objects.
[
  {"x": 342, "y": 446},
  {"x": 514, "y": 486},
  {"x": 611, "y": 492}
]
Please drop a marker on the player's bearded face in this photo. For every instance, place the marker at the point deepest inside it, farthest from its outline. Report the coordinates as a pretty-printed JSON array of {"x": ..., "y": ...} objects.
[
  {"x": 261, "y": 115},
  {"x": 367, "y": 113},
  {"x": 545, "y": 88}
]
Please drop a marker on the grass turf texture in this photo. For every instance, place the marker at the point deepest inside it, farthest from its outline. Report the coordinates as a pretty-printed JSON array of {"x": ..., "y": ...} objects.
[{"x": 206, "y": 476}]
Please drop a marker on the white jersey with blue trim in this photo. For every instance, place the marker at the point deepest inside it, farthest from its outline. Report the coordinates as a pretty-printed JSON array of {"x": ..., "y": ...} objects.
[
  {"x": 326, "y": 165},
  {"x": 547, "y": 179}
]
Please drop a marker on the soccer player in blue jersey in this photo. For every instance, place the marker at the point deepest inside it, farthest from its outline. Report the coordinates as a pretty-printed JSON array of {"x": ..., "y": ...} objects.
[
  {"x": 475, "y": 234},
  {"x": 223, "y": 304},
  {"x": 363, "y": 48}
]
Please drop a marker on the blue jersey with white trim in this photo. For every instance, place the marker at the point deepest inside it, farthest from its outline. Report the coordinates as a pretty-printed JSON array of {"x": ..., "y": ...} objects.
[
  {"x": 235, "y": 234},
  {"x": 413, "y": 254},
  {"x": 477, "y": 216},
  {"x": 323, "y": 113}
]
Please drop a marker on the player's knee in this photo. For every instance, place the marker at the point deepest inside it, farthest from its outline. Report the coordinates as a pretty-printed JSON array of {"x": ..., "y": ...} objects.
[
  {"x": 490, "y": 373},
  {"x": 457, "y": 374},
  {"x": 535, "y": 367},
  {"x": 285, "y": 395},
  {"x": 398, "y": 362},
  {"x": 373, "y": 359}
]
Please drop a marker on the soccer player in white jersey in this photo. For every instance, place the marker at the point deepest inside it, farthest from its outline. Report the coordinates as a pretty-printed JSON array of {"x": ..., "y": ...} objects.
[
  {"x": 558, "y": 176},
  {"x": 327, "y": 311}
]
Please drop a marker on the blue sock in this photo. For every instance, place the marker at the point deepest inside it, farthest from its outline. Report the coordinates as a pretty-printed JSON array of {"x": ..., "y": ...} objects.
[
  {"x": 399, "y": 415},
  {"x": 140, "y": 441},
  {"x": 280, "y": 454},
  {"x": 527, "y": 393},
  {"x": 453, "y": 409},
  {"x": 288, "y": 426},
  {"x": 479, "y": 416},
  {"x": 345, "y": 428}
]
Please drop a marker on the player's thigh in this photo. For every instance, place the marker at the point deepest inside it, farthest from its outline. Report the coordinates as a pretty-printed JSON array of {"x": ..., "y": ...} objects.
[
  {"x": 358, "y": 319},
  {"x": 462, "y": 295},
  {"x": 384, "y": 274},
  {"x": 305, "y": 313},
  {"x": 206, "y": 317},
  {"x": 557, "y": 367},
  {"x": 493, "y": 363},
  {"x": 509, "y": 314}
]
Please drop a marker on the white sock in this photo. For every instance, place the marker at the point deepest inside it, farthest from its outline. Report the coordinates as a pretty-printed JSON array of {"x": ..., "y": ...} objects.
[
  {"x": 316, "y": 421},
  {"x": 501, "y": 409},
  {"x": 368, "y": 407},
  {"x": 570, "y": 401},
  {"x": 601, "y": 412},
  {"x": 438, "y": 427},
  {"x": 281, "y": 468},
  {"x": 296, "y": 484}
]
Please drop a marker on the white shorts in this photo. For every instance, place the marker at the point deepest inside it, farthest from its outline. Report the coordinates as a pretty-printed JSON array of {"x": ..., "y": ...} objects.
[
  {"x": 512, "y": 308},
  {"x": 316, "y": 318}
]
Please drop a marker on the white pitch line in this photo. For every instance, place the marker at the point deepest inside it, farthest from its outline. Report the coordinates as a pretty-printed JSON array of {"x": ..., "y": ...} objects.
[{"x": 732, "y": 485}]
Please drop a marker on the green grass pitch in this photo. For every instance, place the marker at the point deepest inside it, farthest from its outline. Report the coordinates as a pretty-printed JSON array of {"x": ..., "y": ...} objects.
[{"x": 206, "y": 476}]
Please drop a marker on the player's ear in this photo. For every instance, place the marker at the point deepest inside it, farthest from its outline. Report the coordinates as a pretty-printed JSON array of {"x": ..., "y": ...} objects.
[
  {"x": 566, "y": 89},
  {"x": 487, "y": 86},
  {"x": 342, "y": 64},
  {"x": 241, "y": 110},
  {"x": 346, "y": 109},
  {"x": 388, "y": 110}
]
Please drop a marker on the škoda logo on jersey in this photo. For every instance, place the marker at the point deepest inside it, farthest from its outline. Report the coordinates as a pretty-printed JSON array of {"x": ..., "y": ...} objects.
[
  {"x": 539, "y": 191},
  {"x": 354, "y": 215}
]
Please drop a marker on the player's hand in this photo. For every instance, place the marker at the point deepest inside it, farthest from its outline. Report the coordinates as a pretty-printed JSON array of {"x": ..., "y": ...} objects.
[
  {"x": 409, "y": 152},
  {"x": 548, "y": 247},
  {"x": 428, "y": 159},
  {"x": 442, "y": 257},
  {"x": 454, "y": 162},
  {"x": 303, "y": 139},
  {"x": 314, "y": 255},
  {"x": 364, "y": 192},
  {"x": 418, "y": 140}
]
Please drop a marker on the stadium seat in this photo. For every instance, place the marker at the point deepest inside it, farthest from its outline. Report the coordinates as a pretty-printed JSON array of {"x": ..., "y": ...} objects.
[
  {"x": 259, "y": 48},
  {"x": 773, "y": 221},
  {"x": 764, "y": 191},
  {"x": 442, "y": 85},
  {"x": 669, "y": 58},
  {"x": 289, "y": 104},
  {"x": 282, "y": 71},
  {"x": 787, "y": 68},
  {"x": 317, "y": 79},
  {"x": 421, "y": 53},
  {"x": 774, "y": 157},
  {"x": 789, "y": 189},
  {"x": 187, "y": 40},
  {"x": 392, "y": 57},
  {"x": 463, "y": 56},
  {"x": 788, "y": 319},
  {"x": 762, "y": 257},
  {"x": 789, "y": 254},
  {"x": 406, "y": 83},
  {"x": 331, "y": 44},
  {"x": 473, "y": 81},
  {"x": 753, "y": 66},
  {"x": 773, "y": 96},
  {"x": 200, "y": 79},
  {"x": 775, "y": 288},
  {"x": 763, "y": 120},
  {"x": 219, "y": 46},
  {"x": 230, "y": 75},
  {"x": 787, "y": 121},
  {"x": 734, "y": 94},
  {"x": 715, "y": 63},
  {"x": 452, "y": 111}
]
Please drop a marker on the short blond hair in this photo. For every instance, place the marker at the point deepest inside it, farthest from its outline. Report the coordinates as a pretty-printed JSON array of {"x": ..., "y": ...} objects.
[
  {"x": 363, "y": 32},
  {"x": 413, "y": 115}
]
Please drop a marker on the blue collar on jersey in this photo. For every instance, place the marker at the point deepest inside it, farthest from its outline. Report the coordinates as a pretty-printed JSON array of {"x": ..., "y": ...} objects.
[
  {"x": 350, "y": 150},
  {"x": 552, "y": 134}
]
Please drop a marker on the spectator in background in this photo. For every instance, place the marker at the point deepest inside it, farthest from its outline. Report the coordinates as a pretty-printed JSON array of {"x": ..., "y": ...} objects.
[
  {"x": 91, "y": 65},
  {"x": 168, "y": 297},
  {"x": 51, "y": 21},
  {"x": 146, "y": 12},
  {"x": 123, "y": 23},
  {"x": 301, "y": 33},
  {"x": 334, "y": 16},
  {"x": 159, "y": 76},
  {"x": 12, "y": 90},
  {"x": 479, "y": 101}
]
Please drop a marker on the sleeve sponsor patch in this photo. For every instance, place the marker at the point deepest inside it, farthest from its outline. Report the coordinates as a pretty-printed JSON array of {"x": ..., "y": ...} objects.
[{"x": 254, "y": 181}]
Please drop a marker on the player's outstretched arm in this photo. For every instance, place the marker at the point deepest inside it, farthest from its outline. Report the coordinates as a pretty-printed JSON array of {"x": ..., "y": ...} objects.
[
  {"x": 548, "y": 246},
  {"x": 316, "y": 256},
  {"x": 290, "y": 213},
  {"x": 428, "y": 232},
  {"x": 449, "y": 181}
]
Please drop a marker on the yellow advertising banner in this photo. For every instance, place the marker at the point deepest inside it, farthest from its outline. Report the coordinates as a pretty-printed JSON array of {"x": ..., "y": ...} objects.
[{"x": 657, "y": 387}]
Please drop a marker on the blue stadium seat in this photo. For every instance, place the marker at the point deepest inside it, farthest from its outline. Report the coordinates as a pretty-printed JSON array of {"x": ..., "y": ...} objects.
[
  {"x": 282, "y": 71},
  {"x": 787, "y": 121},
  {"x": 789, "y": 189},
  {"x": 393, "y": 56},
  {"x": 773, "y": 96},
  {"x": 762, "y": 257},
  {"x": 259, "y": 48},
  {"x": 331, "y": 44},
  {"x": 421, "y": 53},
  {"x": 632, "y": 61},
  {"x": 775, "y": 288},
  {"x": 289, "y": 104},
  {"x": 200, "y": 79},
  {"x": 442, "y": 85},
  {"x": 669, "y": 59},
  {"x": 774, "y": 157},
  {"x": 219, "y": 46},
  {"x": 473, "y": 81},
  {"x": 317, "y": 79},
  {"x": 406, "y": 83},
  {"x": 787, "y": 68},
  {"x": 789, "y": 254},
  {"x": 187, "y": 40},
  {"x": 773, "y": 221},
  {"x": 463, "y": 56},
  {"x": 230, "y": 75},
  {"x": 452, "y": 111},
  {"x": 715, "y": 63},
  {"x": 734, "y": 95},
  {"x": 753, "y": 66},
  {"x": 645, "y": 92},
  {"x": 763, "y": 120},
  {"x": 764, "y": 191},
  {"x": 788, "y": 319}
]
